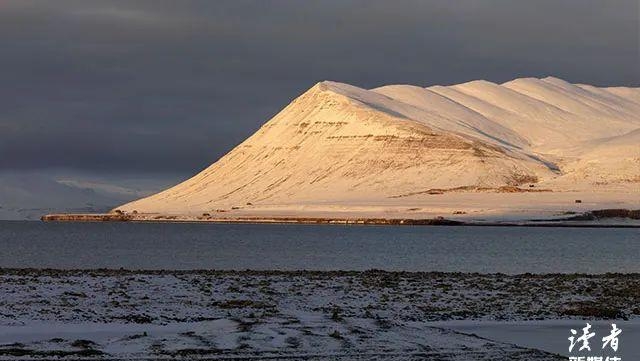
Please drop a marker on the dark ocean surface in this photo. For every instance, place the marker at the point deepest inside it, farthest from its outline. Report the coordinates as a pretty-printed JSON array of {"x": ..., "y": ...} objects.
[{"x": 321, "y": 247}]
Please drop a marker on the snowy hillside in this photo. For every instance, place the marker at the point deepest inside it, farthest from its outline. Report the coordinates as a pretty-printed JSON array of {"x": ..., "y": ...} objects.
[{"x": 341, "y": 143}]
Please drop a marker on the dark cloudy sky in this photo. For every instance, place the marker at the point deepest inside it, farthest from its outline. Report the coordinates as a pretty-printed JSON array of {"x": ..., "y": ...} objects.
[{"x": 167, "y": 87}]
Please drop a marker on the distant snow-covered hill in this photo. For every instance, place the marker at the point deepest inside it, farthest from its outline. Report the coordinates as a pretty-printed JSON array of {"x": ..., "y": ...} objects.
[{"x": 31, "y": 194}]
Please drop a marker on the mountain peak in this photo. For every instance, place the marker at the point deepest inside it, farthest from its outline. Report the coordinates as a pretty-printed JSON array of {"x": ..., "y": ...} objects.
[
  {"x": 553, "y": 79},
  {"x": 477, "y": 83}
]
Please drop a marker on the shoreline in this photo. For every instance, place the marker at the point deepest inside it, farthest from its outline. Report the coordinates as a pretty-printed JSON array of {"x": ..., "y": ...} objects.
[
  {"x": 105, "y": 272},
  {"x": 583, "y": 220}
]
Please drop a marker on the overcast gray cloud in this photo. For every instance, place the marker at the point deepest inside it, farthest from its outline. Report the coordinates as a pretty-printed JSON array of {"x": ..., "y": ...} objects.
[{"x": 169, "y": 86}]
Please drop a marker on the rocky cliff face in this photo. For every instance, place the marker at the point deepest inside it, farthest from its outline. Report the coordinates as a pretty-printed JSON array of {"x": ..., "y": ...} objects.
[{"x": 340, "y": 142}]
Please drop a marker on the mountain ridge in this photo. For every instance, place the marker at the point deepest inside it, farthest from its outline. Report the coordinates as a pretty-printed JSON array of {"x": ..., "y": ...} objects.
[{"x": 338, "y": 142}]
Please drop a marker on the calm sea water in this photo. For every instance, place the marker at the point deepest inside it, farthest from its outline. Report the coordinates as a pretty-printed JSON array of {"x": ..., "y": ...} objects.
[{"x": 324, "y": 247}]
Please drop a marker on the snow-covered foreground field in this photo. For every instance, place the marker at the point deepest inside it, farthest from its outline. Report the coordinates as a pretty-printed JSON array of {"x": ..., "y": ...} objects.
[{"x": 295, "y": 315}]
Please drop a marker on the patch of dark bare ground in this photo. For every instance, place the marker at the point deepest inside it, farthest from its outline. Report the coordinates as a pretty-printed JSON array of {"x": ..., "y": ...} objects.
[
  {"x": 513, "y": 188},
  {"x": 241, "y": 304},
  {"x": 591, "y": 309},
  {"x": 79, "y": 349},
  {"x": 600, "y": 214},
  {"x": 610, "y": 305}
]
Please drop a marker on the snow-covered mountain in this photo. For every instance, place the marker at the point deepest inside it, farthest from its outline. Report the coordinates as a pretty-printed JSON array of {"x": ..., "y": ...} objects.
[{"x": 338, "y": 142}]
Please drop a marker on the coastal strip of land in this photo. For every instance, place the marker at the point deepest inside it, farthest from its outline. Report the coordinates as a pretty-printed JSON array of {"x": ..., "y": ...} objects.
[{"x": 597, "y": 218}]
